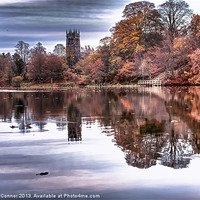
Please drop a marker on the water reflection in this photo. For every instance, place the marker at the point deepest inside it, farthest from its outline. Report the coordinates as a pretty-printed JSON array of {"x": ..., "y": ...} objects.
[
  {"x": 151, "y": 125},
  {"x": 74, "y": 128}
]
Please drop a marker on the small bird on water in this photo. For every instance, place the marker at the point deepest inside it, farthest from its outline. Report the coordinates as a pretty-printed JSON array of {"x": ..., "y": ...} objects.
[{"x": 13, "y": 126}]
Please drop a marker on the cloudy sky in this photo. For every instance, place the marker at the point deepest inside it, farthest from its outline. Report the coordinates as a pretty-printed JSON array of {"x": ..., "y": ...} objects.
[{"x": 47, "y": 20}]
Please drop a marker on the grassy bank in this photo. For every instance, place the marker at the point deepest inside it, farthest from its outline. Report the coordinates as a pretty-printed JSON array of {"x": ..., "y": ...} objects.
[
  {"x": 69, "y": 85},
  {"x": 63, "y": 86}
]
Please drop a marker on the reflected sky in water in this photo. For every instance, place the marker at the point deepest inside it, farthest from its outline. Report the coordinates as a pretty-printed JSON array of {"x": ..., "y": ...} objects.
[{"x": 119, "y": 143}]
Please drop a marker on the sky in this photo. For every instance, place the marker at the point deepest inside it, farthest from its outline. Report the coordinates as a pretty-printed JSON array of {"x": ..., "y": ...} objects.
[{"x": 46, "y": 21}]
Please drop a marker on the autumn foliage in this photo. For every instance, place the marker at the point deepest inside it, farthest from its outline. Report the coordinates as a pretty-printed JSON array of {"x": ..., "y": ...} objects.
[
  {"x": 143, "y": 44},
  {"x": 7, "y": 68},
  {"x": 45, "y": 69},
  {"x": 146, "y": 43}
]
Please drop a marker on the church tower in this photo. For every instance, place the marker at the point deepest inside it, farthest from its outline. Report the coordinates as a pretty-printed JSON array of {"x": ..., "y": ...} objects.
[{"x": 73, "y": 43}]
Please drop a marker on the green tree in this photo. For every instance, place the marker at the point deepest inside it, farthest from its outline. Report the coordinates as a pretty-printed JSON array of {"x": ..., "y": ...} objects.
[
  {"x": 71, "y": 60},
  {"x": 19, "y": 64}
]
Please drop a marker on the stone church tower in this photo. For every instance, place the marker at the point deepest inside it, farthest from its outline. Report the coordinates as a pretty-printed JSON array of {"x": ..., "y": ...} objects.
[{"x": 73, "y": 43}]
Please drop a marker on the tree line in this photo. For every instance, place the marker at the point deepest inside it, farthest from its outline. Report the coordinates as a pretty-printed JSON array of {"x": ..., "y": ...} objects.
[
  {"x": 146, "y": 42},
  {"x": 37, "y": 66}
]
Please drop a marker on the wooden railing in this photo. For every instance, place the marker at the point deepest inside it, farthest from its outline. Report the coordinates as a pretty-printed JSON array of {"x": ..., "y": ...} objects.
[
  {"x": 150, "y": 82},
  {"x": 164, "y": 75},
  {"x": 161, "y": 78}
]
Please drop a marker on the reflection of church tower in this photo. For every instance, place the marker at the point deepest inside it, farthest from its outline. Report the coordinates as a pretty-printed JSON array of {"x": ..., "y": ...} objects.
[
  {"x": 73, "y": 43},
  {"x": 74, "y": 126}
]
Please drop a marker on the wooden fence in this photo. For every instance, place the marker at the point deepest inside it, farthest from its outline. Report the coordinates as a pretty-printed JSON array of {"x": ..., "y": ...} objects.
[{"x": 150, "y": 82}]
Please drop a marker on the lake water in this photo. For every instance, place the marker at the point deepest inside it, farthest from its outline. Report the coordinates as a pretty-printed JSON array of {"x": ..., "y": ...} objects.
[{"x": 137, "y": 144}]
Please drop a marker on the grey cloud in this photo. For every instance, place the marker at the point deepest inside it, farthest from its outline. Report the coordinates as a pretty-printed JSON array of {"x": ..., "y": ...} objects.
[
  {"x": 50, "y": 16},
  {"x": 60, "y": 8}
]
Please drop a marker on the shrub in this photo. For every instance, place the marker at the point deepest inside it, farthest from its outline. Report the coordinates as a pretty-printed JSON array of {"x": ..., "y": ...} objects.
[{"x": 16, "y": 81}]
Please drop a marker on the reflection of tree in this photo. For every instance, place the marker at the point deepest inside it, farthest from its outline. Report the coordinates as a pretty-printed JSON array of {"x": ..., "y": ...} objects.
[
  {"x": 16, "y": 105},
  {"x": 152, "y": 126},
  {"x": 5, "y": 106},
  {"x": 21, "y": 113},
  {"x": 140, "y": 153},
  {"x": 122, "y": 112},
  {"x": 125, "y": 124},
  {"x": 141, "y": 149},
  {"x": 186, "y": 105},
  {"x": 144, "y": 149},
  {"x": 61, "y": 124},
  {"x": 40, "y": 124},
  {"x": 74, "y": 125},
  {"x": 19, "y": 105},
  {"x": 46, "y": 104},
  {"x": 146, "y": 144},
  {"x": 176, "y": 152}
]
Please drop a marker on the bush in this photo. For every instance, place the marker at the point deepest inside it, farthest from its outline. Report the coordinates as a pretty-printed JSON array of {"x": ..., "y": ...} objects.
[
  {"x": 178, "y": 80},
  {"x": 16, "y": 81}
]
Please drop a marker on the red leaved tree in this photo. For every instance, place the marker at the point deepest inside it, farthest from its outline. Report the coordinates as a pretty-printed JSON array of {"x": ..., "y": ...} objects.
[
  {"x": 36, "y": 72},
  {"x": 195, "y": 63},
  {"x": 53, "y": 69},
  {"x": 97, "y": 72},
  {"x": 126, "y": 73},
  {"x": 45, "y": 69},
  {"x": 7, "y": 68}
]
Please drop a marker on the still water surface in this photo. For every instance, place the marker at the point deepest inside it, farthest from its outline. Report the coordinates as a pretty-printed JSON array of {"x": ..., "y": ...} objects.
[{"x": 117, "y": 143}]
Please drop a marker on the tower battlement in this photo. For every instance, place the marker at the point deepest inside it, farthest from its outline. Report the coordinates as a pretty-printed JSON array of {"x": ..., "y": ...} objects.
[{"x": 73, "y": 43}]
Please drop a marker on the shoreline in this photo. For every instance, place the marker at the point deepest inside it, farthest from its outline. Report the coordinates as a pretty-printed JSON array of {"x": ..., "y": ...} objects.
[{"x": 58, "y": 86}]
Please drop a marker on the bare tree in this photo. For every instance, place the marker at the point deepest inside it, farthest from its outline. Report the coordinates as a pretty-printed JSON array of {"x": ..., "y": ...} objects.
[
  {"x": 175, "y": 15},
  {"x": 23, "y": 49},
  {"x": 38, "y": 49},
  {"x": 86, "y": 51},
  {"x": 59, "y": 50}
]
